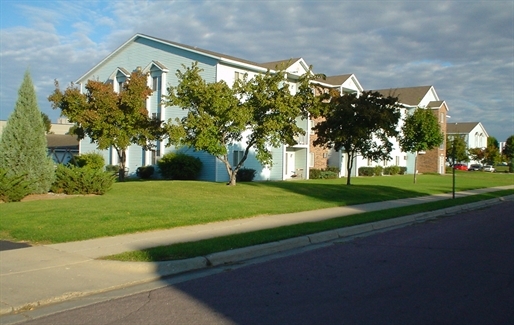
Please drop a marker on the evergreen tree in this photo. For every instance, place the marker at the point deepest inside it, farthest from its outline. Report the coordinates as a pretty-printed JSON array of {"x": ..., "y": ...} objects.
[{"x": 23, "y": 146}]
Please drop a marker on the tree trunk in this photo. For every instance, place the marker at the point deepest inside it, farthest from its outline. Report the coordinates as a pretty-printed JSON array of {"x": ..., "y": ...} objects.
[
  {"x": 349, "y": 167},
  {"x": 122, "y": 158},
  {"x": 231, "y": 173}
]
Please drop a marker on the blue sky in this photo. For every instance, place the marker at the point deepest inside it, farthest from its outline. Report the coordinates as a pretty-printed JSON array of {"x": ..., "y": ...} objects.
[{"x": 465, "y": 49}]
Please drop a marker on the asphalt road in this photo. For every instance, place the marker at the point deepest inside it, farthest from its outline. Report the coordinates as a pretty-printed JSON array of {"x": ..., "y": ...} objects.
[{"x": 454, "y": 270}]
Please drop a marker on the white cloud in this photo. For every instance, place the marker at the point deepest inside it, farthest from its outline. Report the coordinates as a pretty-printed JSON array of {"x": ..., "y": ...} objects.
[{"x": 464, "y": 49}]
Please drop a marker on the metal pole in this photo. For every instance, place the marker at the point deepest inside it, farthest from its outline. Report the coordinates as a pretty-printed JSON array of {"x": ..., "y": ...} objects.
[{"x": 453, "y": 168}]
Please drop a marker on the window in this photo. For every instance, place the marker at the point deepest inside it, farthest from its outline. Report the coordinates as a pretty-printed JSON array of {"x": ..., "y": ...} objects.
[
  {"x": 238, "y": 76},
  {"x": 311, "y": 159},
  {"x": 156, "y": 83},
  {"x": 236, "y": 158}
]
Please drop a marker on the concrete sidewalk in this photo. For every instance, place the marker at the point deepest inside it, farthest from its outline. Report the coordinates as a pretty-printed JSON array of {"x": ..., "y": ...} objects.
[{"x": 42, "y": 275}]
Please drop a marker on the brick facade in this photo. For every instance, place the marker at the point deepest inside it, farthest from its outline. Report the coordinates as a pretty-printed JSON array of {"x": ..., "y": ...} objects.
[{"x": 431, "y": 161}]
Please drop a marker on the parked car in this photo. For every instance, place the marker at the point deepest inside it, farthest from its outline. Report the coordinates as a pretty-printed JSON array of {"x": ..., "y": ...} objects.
[
  {"x": 460, "y": 167},
  {"x": 474, "y": 167},
  {"x": 488, "y": 168}
]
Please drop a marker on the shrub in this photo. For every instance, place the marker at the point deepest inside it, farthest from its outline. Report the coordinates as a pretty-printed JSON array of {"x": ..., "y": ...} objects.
[
  {"x": 145, "y": 172},
  {"x": 179, "y": 166},
  {"x": 245, "y": 175},
  {"x": 333, "y": 169},
  {"x": 403, "y": 170},
  {"x": 314, "y": 173},
  {"x": 112, "y": 169},
  {"x": 13, "y": 188},
  {"x": 377, "y": 170},
  {"x": 328, "y": 173},
  {"x": 92, "y": 160},
  {"x": 392, "y": 170},
  {"x": 366, "y": 171},
  {"x": 76, "y": 180}
]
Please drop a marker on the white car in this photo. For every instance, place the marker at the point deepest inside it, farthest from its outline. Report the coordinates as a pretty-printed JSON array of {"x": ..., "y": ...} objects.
[{"x": 488, "y": 168}]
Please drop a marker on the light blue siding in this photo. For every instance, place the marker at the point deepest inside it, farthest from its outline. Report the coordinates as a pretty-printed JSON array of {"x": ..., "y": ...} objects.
[
  {"x": 139, "y": 54},
  {"x": 277, "y": 170}
]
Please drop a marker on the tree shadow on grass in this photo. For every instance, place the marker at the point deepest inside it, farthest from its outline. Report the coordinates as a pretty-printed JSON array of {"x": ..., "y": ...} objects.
[{"x": 344, "y": 194}]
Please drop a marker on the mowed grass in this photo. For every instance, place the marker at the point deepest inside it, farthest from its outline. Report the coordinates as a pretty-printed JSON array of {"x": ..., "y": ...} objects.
[
  {"x": 147, "y": 205},
  {"x": 219, "y": 244}
]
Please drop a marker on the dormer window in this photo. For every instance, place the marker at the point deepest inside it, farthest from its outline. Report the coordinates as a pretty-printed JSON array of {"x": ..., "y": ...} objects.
[{"x": 119, "y": 77}]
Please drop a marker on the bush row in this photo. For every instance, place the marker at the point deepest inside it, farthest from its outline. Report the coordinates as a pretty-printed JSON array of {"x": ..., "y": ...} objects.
[
  {"x": 327, "y": 173},
  {"x": 379, "y": 171}
]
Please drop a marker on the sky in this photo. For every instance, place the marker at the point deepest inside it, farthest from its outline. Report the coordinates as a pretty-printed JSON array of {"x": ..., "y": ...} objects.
[{"x": 465, "y": 49}]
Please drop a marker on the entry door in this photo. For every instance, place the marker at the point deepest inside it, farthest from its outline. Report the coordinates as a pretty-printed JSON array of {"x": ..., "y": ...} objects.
[{"x": 290, "y": 163}]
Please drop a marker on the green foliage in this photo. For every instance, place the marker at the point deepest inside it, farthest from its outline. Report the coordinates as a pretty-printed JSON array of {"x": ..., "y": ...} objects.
[
  {"x": 328, "y": 173},
  {"x": 366, "y": 171},
  {"x": 245, "y": 175},
  {"x": 110, "y": 118},
  {"x": 112, "y": 169},
  {"x": 371, "y": 171},
  {"x": 508, "y": 152},
  {"x": 456, "y": 149},
  {"x": 369, "y": 121},
  {"x": 76, "y": 180},
  {"x": 420, "y": 132},
  {"x": 23, "y": 146},
  {"x": 13, "y": 188},
  {"x": 179, "y": 166},
  {"x": 46, "y": 122},
  {"x": 92, "y": 160},
  {"x": 392, "y": 170},
  {"x": 217, "y": 115},
  {"x": 145, "y": 172}
]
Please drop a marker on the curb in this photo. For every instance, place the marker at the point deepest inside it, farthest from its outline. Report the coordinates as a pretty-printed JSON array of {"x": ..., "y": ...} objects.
[
  {"x": 247, "y": 253},
  {"x": 160, "y": 270}
]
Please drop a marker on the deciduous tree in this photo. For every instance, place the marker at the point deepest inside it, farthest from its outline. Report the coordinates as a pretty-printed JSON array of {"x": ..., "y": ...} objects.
[
  {"x": 508, "y": 151},
  {"x": 420, "y": 132},
  {"x": 259, "y": 113},
  {"x": 109, "y": 118},
  {"x": 456, "y": 150},
  {"x": 361, "y": 125},
  {"x": 23, "y": 146}
]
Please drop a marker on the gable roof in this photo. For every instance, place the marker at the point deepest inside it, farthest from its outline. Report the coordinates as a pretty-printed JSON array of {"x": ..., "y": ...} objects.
[
  {"x": 461, "y": 128},
  {"x": 337, "y": 80},
  {"x": 215, "y": 55},
  {"x": 62, "y": 141},
  {"x": 409, "y": 95},
  {"x": 274, "y": 65},
  {"x": 438, "y": 104}
]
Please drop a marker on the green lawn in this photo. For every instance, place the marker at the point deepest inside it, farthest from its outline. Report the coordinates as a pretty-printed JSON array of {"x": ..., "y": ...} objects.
[
  {"x": 146, "y": 205},
  {"x": 225, "y": 243}
]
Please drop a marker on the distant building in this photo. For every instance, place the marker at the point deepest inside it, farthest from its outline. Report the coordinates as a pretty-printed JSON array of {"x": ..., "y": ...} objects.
[
  {"x": 473, "y": 133},
  {"x": 61, "y": 146}
]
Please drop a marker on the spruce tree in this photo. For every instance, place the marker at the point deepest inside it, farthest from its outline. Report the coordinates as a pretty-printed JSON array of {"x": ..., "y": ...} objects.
[{"x": 23, "y": 146}]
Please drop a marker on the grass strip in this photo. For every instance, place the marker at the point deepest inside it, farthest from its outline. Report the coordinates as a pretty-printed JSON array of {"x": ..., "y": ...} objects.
[{"x": 224, "y": 243}]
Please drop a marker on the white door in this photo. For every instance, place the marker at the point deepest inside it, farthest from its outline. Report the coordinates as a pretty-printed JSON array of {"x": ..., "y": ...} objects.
[{"x": 290, "y": 164}]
